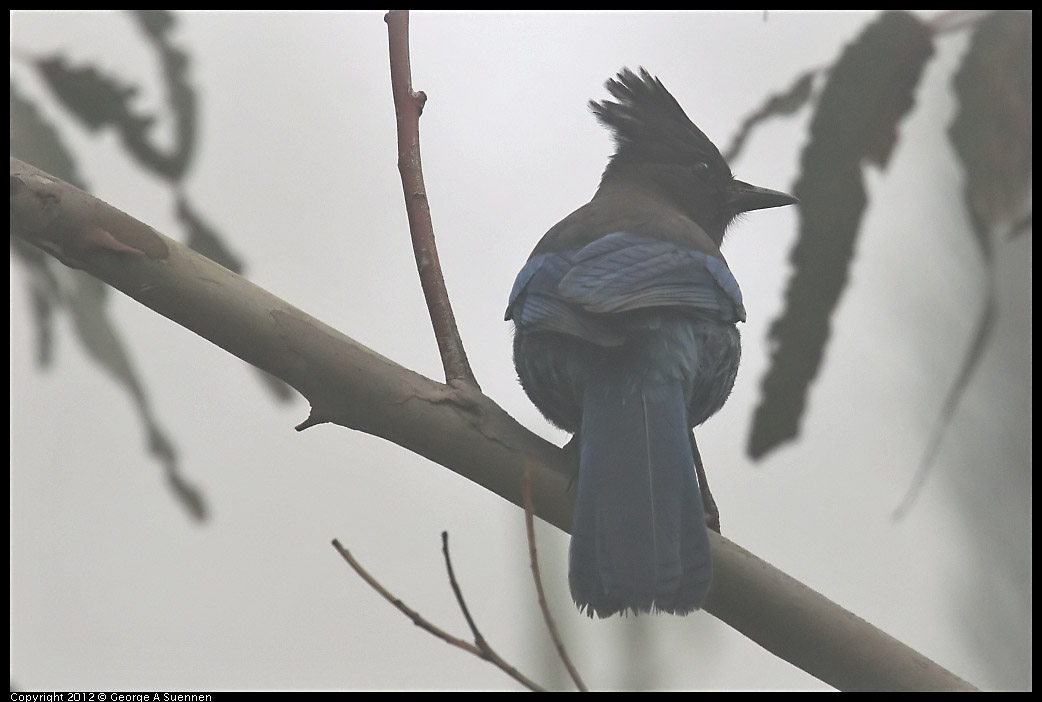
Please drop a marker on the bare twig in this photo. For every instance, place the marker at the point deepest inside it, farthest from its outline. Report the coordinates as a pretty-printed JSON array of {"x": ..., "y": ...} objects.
[
  {"x": 412, "y": 614},
  {"x": 486, "y": 651},
  {"x": 408, "y": 105},
  {"x": 478, "y": 638},
  {"x": 551, "y": 625},
  {"x": 481, "y": 650}
]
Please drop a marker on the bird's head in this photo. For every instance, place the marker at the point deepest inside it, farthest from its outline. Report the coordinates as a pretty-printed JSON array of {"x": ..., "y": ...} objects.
[{"x": 658, "y": 148}]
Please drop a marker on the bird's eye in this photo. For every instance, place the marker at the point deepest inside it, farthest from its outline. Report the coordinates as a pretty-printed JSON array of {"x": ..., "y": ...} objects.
[{"x": 701, "y": 167}]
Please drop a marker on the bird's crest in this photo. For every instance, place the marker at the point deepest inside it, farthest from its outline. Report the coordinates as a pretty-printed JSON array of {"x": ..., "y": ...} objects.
[{"x": 650, "y": 125}]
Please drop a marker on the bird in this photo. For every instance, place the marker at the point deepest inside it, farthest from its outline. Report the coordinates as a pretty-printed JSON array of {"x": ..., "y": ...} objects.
[{"x": 625, "y": 335}]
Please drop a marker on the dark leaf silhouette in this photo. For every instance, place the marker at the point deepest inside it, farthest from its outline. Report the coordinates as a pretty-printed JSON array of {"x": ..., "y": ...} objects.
[
  {"x": 86, "y": 304},
  {"x": 868, "y": 92},
  {"x": 96, "y": 99},
  {"x": 205, "y": 239},
  {"x": 100, "y": 100},
  {"x": 156, "y": 24},
  {"x": 985, "y": 326},
  {"x": 991, "y": 132},
  {"x": 1020, "y": 227},
  {"x": 43, "y": 295},
  {"x": 778, "y": 105},
  {"x": 991, "y": 135},
  {"x": 32, "y": 136},
  {"x": 83, "y": 297}
]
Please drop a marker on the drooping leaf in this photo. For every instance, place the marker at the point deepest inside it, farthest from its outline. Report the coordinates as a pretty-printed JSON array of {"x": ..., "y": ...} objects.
[
  {"x": 777, "y": 105},
  {"x": 991, "y": 132},
  {"x": 985, "y": 326},
  {"x": 35, "y": 139},
  {"x": 102, "y": 342},
  {"x": 1020, "y": 227},
  {"x": 278, "y": 388},
  {"x": 156, "y": 26},
  {"x": 44, "y": 297},
  {"x": 991, "y": 135},
  {"x": 205, "y": 239},
  {"x": 100, "y": 100},
  {"x": 155, "y": 23},
  {"x": 97, "y": 99},
  {"x": 868, "y": 92}
]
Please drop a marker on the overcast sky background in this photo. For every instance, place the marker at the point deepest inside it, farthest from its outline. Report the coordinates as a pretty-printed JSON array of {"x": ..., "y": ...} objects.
[{"x": 114, "y": 588}]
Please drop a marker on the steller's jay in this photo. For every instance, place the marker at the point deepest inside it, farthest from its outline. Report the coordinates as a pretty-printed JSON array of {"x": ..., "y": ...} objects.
[{"x": 625, "y": 335}]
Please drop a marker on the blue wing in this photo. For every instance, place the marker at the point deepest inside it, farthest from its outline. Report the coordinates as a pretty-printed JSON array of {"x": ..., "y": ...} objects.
[{"x": 578, "y": 292}]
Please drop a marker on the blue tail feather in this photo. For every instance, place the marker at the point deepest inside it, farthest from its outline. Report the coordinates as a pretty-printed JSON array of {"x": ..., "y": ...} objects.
[{"x": 639, "y": 537}]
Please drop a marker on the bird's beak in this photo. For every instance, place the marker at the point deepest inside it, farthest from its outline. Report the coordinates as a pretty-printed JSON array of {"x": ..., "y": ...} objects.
[{"x": 745, "y": 197}]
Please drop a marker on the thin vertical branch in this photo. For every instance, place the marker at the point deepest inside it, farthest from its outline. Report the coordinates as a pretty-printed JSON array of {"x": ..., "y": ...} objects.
[
  {"x": 408, "y": 105},
  {"x": 479, "y": 640},
  {"x": 551, "y": 625}
]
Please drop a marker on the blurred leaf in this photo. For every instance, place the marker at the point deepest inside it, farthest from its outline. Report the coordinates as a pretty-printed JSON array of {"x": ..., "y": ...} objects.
[
  {"x": 778, "y": 105},
  {"x": 991, "y": 135},
  {"x": 96, "y": 99},
  {"x": 43, "y": 296},
  {"x": 205, "y": 239},
  {"x": 156, "y": 25},
  {"x": 868, "y": 92},
  {"x": 100, "y": 100},
  {"x": 991, "y": 132},
  {"x": 34, "y": 139},
  {"x": 37, "y": 142},
  {"x": 282, "y": 391},
  {"x": 1020, "y": 227},
  {"x": 190, "y": 497},
  {"x": 985, "y": 326},
  {"x": 102, "y": 342}
]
